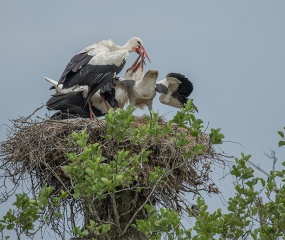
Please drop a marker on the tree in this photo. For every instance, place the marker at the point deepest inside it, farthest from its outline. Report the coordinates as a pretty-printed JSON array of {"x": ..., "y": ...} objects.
[{"x": 131, "y": 183}]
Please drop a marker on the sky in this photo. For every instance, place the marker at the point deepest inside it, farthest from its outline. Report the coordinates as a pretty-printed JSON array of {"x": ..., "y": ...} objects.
[{"x": 233, "y": 52}]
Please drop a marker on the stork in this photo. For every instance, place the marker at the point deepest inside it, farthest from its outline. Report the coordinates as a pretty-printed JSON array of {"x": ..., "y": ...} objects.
[
  {"x": 70, "y": 101},
  {"x": 71, "y": 104},
  {"x": 179, "y": 88},
  {"x": 141, "y": 91},
  {"x": 97, "y": 65}
]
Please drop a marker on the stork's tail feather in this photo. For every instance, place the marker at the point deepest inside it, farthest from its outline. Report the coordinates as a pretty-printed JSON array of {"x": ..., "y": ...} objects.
[{"x": 54, "y": 83}]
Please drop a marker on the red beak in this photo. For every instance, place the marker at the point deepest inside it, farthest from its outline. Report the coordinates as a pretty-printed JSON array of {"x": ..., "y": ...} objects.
[
  {"x": 141, "y": 51},
  {"x": 135, "y": 65}
]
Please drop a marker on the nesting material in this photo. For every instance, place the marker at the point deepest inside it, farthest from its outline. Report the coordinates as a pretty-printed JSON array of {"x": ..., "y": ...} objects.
[{"x": 36, "y": 150}]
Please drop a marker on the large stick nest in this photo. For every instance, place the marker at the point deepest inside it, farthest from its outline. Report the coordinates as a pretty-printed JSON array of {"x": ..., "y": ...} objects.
[{"x": 36, "y": 150}]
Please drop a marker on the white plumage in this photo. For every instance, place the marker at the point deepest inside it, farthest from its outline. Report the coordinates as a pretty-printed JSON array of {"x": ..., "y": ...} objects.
[
  {"x": 172, "y": 84},
  {"x": 140, "y": 91}
]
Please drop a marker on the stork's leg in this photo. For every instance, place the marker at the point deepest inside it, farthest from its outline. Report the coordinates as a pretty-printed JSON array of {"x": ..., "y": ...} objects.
[
  {"x": 90, "y": 109},
  {"x": 92, "y": 115},
  {"x": 149, "y": 105},
  {"x": 150, "y": 115},
  {"x": 104, "y": 101}
]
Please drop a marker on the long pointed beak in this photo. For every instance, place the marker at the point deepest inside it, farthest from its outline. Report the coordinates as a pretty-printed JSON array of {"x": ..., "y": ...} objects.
[
  {"x": 135, "y": 65},
  {"x": 142, "y": 62},
  {"x": 142, "y": 52}
]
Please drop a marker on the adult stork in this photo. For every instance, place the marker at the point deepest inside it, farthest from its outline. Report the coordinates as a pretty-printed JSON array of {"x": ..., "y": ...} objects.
[
  {"x": 97, "y": 65},
  {"x": 179, "y": 88},
  {"x": 70, "y": 102}
]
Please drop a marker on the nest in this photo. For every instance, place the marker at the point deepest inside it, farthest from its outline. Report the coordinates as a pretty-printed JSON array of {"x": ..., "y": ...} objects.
[{"x": 36, "y": 151}]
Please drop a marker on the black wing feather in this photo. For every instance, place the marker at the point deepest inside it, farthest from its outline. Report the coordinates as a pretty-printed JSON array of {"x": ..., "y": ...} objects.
[
  {"x": 108, "y": 92},
  {"x": 66, "y": 101},
  {"x": 182, "y": 99},
  {"x": 70, "y": 105},
  {"x": 186, "y": 87},
  {"x": 76, "y": 62}
]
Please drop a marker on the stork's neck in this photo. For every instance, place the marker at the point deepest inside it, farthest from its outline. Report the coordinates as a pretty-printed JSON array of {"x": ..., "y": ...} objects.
[
  {"x": 127, "y": 46},
  {"x": 147, "y": 82}
]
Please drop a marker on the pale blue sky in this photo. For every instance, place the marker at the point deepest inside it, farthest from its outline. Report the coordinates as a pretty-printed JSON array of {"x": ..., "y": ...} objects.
[{"x": 233, "y": 51}]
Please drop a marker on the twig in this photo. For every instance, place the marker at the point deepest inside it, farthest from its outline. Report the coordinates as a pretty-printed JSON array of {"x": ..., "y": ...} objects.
[
  {"x": 116, "y": 214},
  {"x": 259, "y": 168},
  {"x": 25, "y": 119}
]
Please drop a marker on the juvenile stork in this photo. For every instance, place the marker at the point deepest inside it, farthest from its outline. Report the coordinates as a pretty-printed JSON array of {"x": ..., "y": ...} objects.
[
  {"x": 179, "y": 88},
  {"x": 141, "y": 90},
  {"x": 97, "y": 65}
]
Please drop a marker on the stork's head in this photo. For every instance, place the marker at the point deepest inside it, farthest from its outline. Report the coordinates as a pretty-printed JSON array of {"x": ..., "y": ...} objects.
[
  {"x": 135, "y": 44},
  {"x": 151, "y": 75}
]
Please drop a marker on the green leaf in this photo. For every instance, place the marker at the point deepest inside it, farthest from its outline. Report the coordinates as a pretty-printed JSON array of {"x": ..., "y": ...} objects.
[
  {"x": 281, "y": 143},
  {"x": 105, "y": 180},
  {"x": 281, "y": 134}
]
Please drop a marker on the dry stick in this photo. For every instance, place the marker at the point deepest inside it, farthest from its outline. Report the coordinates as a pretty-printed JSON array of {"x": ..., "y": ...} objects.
[
  {"x": 258, "y": 168},
  {"x": 117, "y": 217},
  {"x": 25, "y": 119}
]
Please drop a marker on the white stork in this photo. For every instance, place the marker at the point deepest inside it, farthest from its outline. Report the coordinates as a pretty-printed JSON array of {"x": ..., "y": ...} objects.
[
  {"x": 179, "y": 88},
  {"x": 70, "y": 101},
  {"x": 71, "y": 104},
  {"x": 141, "y": 91},
  {"x": 97, "y": 65}
]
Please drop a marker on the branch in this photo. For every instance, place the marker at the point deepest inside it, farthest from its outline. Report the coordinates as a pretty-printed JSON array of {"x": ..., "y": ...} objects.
[
  {"x": 117, "y": 217},
  {"x": 259, "y": 168}
]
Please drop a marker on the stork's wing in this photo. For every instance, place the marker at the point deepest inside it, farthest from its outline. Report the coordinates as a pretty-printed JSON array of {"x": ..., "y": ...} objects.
[
  {"x": 182, "y": 99},
  {"x": 100, "y": 69},
  {"x": 185, "y": 87},
  {"x": 76, "y": 63},
  {"x": 108, "y": 91},
  {"x": 161, "y": 88},
  {"x": 70, "y": 104},
  {"x": 66, "y": 101},
  {"x": 129, "y": 83}
]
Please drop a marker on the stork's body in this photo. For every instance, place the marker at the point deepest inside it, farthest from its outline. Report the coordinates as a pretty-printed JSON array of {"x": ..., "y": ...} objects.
[
  {"x": 141, "y": 92},
  {"x": 179, "y": 88},
  {"x": 70, "y": 102},
  {"x": 97, "y": 65}
]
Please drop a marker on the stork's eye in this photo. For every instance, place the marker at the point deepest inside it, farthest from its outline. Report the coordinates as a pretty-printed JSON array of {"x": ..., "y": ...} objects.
[{"x": 139, "y": 43}]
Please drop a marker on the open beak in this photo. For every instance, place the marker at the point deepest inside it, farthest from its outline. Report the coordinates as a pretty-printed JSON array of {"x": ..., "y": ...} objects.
[
  {"x": 141, "y": 51},
  {"x": 135, "y": 65}
]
